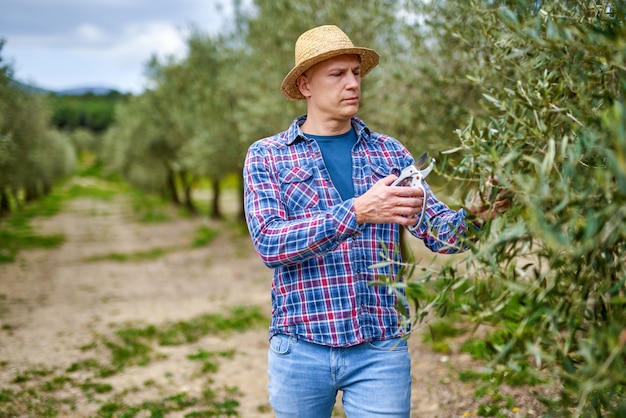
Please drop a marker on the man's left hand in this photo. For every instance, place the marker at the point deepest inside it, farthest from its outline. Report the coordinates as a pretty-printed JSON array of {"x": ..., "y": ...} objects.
[{"x": 484, "y": 207}]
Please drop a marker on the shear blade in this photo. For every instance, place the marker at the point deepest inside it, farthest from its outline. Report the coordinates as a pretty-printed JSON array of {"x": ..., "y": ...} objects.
[{"x": 421, "y": 161}]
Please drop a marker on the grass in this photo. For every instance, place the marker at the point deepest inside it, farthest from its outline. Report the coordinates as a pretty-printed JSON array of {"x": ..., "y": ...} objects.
[
  {"x": 208, "y": 406},
  {"x": 136, "y": 256},
  {"x": 149, "y": 208},
  {"x": 13, "y": 241},
  {"x": 190, "y": 331},
  {"x": 16, "y": 232},
  {"x": 206, "y": 358},
  {"x": 50, "y": 393},
  {"x": 203, "y": 236},
  {"x": 441, "y": 332},
  {"x": 92, "y": 365}
]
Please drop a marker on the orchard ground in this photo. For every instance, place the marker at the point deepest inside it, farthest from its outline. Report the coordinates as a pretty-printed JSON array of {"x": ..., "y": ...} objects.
[{"x": 59, "y": 308}]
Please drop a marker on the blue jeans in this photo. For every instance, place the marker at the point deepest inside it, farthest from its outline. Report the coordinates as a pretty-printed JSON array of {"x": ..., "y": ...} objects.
[{"x": 375, "y": 378}]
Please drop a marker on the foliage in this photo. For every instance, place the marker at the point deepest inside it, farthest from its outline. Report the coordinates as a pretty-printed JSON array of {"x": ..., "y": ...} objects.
[
  {"x": 552, "y": 129},
  {"x": 32, "y": 156},
  {"x": 181, "y": 129},
  {"x": 89, "y": 111},
  {"x": 421, "y": 93}
]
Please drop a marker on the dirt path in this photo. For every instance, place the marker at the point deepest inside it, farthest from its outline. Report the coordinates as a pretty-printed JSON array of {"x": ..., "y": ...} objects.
[{"x": 53, "y": 303}]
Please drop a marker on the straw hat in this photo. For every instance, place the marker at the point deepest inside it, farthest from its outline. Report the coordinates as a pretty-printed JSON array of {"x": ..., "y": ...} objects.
[{"x": 320, "y": 44}]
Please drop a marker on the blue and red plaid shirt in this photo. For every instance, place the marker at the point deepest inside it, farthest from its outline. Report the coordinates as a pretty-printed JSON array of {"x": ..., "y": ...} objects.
[{"x": 322, "y": 257}]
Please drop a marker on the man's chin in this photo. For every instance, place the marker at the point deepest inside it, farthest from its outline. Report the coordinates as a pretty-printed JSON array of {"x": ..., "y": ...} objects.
[{"x": 351, "y": 109}]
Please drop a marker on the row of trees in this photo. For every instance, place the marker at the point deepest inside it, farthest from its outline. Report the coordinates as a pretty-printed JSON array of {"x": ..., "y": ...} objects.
[
  {"x": 42, "y": 134},
  {"x": 32, "y": 154},
  {"x": 89, "y": 111},
  {"x": 184, "y": 129}
]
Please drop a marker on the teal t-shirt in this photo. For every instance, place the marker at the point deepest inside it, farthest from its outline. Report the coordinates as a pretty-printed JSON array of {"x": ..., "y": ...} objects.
[{"x": 337, "y": 154}]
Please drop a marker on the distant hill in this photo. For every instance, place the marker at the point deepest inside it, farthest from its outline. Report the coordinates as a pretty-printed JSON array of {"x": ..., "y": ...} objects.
[
  {"x": 76, "y": 91},
  {"x": 30, "y": 88},
  {"x": 79, "y": 91}
]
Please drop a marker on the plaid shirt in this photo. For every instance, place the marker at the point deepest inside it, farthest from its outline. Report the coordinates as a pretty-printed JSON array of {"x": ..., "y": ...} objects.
[{"x": 302, "y": 228}]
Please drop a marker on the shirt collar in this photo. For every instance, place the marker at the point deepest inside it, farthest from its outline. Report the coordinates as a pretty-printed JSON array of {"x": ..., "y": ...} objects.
[{"x": 295, "y": 131}]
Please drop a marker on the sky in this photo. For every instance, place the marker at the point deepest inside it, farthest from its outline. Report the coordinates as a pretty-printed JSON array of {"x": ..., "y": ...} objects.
[{"x": 63, "y": 44}]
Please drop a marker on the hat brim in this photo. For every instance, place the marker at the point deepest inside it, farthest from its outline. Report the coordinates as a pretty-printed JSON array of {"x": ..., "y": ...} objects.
[{"x": 289, "y": 88}]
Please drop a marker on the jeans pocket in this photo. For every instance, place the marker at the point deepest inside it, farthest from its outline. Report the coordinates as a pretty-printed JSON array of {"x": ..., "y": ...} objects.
[
  {"x": 393, "y": 344},
  {"x": 280, "y": 344}
]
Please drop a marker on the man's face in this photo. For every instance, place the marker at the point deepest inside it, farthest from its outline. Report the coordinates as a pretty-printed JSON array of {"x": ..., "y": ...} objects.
[{"x": 333, "y": 87}]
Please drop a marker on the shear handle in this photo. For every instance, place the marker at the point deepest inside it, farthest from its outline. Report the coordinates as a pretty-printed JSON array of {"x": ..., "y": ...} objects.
[
  {"x": 417, "y": 177},
  {"x": 407, "y": 173},
  {"x": 412, "y": 172}
]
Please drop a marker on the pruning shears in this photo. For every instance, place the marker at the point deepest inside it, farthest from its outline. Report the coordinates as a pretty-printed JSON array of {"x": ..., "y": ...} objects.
[{"x": 414, "y": 177}]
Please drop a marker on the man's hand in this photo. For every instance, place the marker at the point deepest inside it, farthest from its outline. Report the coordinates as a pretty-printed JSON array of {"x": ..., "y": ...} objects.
[
  {"x": 482, "y": 208},
  {"x": 384, "y": 203}
]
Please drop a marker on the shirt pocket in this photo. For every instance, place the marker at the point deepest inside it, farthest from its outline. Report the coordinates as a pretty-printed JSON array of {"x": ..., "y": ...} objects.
[
  {"x": 299, "y": 191},
  {"x": 380, "y": 172}
]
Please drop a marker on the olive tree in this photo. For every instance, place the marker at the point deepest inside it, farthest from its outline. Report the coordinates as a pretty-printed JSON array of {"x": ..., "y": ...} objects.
[
  {"x": 550, "y": 274},
  {"x": 214, "y": 150},
  {"x": 32, "y": 155},
  {"x": 182, "y": 128}
]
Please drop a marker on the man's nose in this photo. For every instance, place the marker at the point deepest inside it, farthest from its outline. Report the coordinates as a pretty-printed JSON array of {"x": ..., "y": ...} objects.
[{"x": 353, "y": 80}]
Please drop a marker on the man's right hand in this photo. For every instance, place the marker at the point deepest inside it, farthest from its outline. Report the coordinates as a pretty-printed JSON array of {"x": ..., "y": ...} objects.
[{"x": 384, "y": 203}]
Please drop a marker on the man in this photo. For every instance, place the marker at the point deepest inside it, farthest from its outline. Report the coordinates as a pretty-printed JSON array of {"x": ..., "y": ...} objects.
[{"x": 320, "y": 207}]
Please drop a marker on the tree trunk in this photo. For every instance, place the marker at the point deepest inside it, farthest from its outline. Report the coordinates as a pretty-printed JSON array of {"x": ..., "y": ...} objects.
[
  {"x": 216, "y": 213},
  {"x": 47, "y": 188},
  {"x": 5, "y": 204},
  {"x": 242, "y": 207},
  {"x": 30, "y": 193},
  {"x": 187, "y": 189},
  {"x": 16, "y": 198},
  {"x": 170, "y": 187}
]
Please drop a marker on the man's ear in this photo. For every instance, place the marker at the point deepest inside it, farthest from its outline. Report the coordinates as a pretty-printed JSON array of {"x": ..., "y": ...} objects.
[{"x": 303, "y": 85}]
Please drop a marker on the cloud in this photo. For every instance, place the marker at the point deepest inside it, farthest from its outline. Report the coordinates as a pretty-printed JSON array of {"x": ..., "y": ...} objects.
[
  {"x": 91, "y": 55},
  {"x": 90, "y": 33},
  {"x": 141, "y": 41},
  {"x": 67, "y": 43}
]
